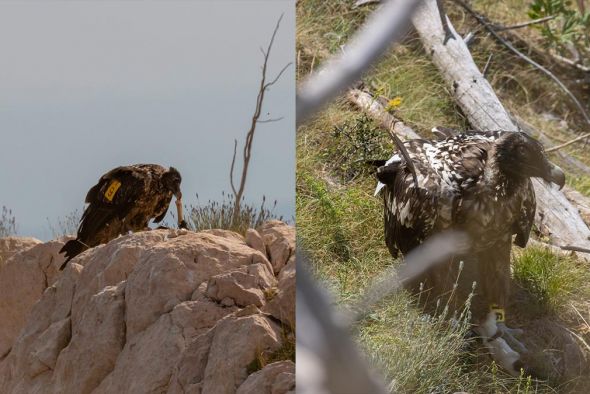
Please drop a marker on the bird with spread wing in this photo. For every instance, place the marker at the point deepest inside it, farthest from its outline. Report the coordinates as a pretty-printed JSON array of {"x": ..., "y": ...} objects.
[
  {"x": 125, "y": 199},
  {"x": 478, "y": 183}
]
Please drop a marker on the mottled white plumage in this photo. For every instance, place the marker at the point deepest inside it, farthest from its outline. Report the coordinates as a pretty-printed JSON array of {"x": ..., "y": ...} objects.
[{"x": 477, "y": 183}]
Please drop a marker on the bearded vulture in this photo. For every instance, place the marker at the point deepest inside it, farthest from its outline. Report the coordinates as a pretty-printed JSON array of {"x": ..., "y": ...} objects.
[
  {"x": 478, "y": 183},
  {"x": 123, "y": 200}
]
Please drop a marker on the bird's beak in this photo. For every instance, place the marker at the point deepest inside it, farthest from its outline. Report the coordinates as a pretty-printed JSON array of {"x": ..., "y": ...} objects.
[{"x": 555, "y": 175}]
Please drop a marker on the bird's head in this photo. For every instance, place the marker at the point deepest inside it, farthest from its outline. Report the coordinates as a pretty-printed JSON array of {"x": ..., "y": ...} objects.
[
  {"x": 171, "y": 180},
  {"x": 520, "y": 155}
]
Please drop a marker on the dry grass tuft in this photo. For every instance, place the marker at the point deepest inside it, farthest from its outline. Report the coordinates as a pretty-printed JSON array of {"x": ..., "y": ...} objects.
[
  {"x": 7, "y": 223},
  {"x": 219, "y": 215}
]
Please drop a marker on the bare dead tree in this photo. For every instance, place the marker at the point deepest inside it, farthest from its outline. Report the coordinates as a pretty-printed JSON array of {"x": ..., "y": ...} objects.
[{"x": 247, "y": 150}]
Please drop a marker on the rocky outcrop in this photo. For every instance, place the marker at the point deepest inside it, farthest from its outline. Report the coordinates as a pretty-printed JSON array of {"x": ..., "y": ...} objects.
[
  {"x": 162, "y": 311},
  {"x": 12, "y": 245},
  {"x": 274, "y": 378},
  {"x": 24, "y": 276}
]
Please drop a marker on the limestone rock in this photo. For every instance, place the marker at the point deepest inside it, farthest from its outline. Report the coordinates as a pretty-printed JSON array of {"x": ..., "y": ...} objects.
[
  {"x": 263, "y": 274},
  {"x": 237, "y": 286},
  {"x": 245, "y": 338},
  {"x": 12, "y": 245},
  {"x": 225, "y": 234},
  {"x": 139, "y": 315},
  {"x": 23, "y": 278},
  {"x": 275, "y": 378},
  {"x": 281, "y": 305},
  {"x": 48, "y": 345},
  {"x": 279, "y": 240},
  {"x": 254, "y": 240},
  {"x": 96, "y": 343}
]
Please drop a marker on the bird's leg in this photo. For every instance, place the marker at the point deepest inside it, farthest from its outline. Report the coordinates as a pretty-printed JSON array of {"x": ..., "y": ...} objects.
[
  {"x": 510, "y": 334},
  {"x": 181, "y": 221},
  {"x": 499, "y": 349}
]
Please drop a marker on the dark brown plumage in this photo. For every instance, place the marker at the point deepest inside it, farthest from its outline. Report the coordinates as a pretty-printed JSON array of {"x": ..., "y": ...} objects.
[
  {"x": 478, "y": 183},
  {"x": 124, "y": 199}
]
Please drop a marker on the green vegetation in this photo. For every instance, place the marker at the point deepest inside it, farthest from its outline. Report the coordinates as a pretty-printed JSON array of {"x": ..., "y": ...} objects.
[
  {"x": 568, "y": 33},
  {"x": 581, "y": 183},
  {"x": 219, "y": 215},
  {"x": 549, "y": 278},
  {"x": 340, "y": 222},
  {"x": 7, "y": 223}
]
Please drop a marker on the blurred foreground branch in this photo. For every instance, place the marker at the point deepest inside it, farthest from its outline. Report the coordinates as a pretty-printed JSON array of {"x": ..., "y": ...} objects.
[{"x": 385, "y": 26}]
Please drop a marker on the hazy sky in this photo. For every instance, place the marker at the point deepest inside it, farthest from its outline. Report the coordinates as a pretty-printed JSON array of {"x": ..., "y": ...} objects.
[{"x": 88, "y": 86}]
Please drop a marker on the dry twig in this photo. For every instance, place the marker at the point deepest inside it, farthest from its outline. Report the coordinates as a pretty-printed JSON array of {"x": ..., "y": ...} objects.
[
  {"x": 557, "y": 147},
  {"x": 246, "y": 155},
  {"x": 527, "y": 59},
  {"x": 487, "y": 66},
  {"x": 525, "y": 24}
]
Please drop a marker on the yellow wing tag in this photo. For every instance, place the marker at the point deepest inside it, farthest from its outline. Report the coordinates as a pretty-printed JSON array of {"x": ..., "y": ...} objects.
[
  {"x": 500, "y": 314},
  {"x": 112, "y": 190}
]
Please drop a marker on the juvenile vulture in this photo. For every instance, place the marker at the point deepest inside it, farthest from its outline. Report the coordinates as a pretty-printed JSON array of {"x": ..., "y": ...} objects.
[
  {"x": 478, "y": 183},
  {"x": 125, "y": 199}
]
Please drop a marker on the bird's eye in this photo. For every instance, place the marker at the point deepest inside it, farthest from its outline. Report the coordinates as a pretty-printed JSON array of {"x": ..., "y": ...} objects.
[{"x": 521, "y": 150}]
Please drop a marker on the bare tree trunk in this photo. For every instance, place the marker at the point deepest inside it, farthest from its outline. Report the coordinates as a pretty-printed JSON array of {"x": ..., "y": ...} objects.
[
  {"x": 555, "y": 214},
  {"x": 247, "y": 150}
]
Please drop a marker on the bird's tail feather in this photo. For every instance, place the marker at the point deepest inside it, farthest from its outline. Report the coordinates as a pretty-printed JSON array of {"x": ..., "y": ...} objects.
[{"x": 71, "y": 249}]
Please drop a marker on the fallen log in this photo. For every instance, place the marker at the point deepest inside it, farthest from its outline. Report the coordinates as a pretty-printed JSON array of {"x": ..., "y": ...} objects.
[
  {"x": 368, "y": 104},
  {"x": 580, "y": 201},
  {"x": 524, "y": 57},
  {"x": 558, "y": 218},
  {"x": 365, "y": 102},
  {"x": 560, "y": 250}
]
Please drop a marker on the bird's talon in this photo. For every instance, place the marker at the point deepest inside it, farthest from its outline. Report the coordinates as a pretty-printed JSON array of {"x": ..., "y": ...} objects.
[{"x": 510, "y": 334}]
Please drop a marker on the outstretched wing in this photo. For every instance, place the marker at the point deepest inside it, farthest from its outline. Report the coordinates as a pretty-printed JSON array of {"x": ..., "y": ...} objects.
[{"x": 112, "y": 197}]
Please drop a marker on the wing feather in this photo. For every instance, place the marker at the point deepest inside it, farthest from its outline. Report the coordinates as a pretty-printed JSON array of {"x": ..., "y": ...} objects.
[
  {"x": 526, "y": 217},
  {"x": 101, "y": 209}
]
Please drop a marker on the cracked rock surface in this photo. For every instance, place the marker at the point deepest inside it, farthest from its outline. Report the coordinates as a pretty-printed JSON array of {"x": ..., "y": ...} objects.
[{"x": 161, "y": 311}]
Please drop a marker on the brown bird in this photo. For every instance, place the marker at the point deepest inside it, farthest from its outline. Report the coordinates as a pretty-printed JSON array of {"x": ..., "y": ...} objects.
[
  {"x": 477, "y": 183},
  {"x": 125, "y": 199}
]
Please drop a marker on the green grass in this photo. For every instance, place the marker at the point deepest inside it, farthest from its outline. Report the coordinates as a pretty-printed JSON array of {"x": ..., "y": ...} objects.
[
  {"x": 580, "y": 183},
  {"x": 550, "y": 279},
  {"x": 417, "y": 353},
  {"x": 340, "y": 222}
]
